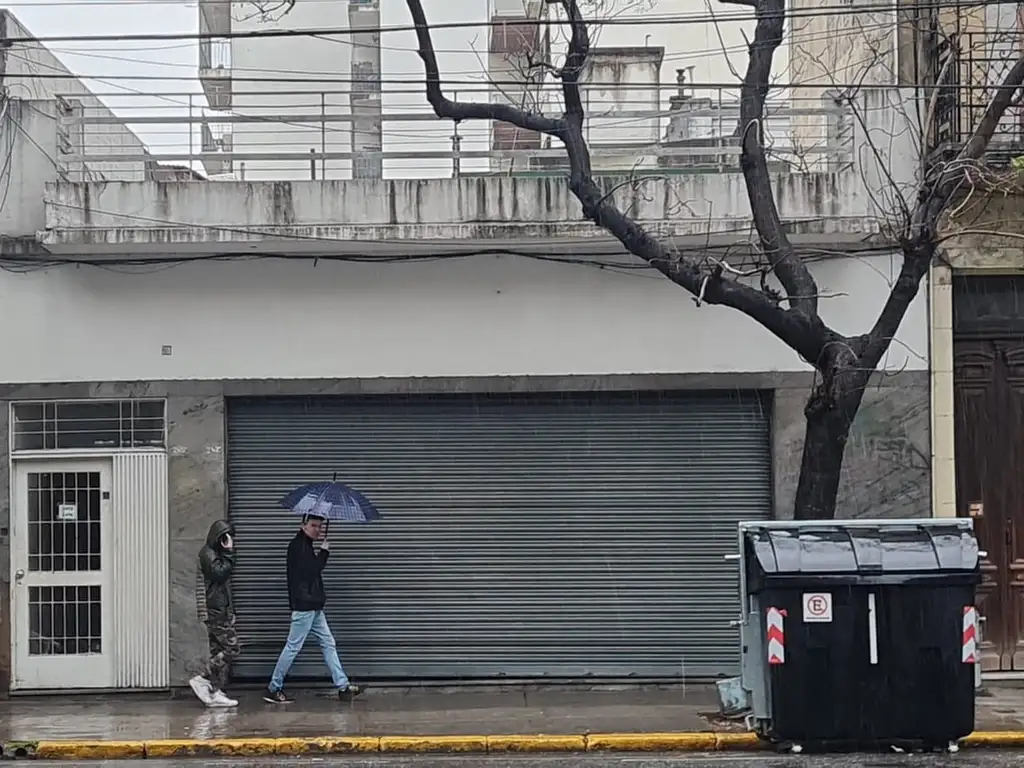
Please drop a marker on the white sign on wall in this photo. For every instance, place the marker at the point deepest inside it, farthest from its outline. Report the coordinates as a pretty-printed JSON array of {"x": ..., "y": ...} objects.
[
  {"x": 817, "y": 607},
  {"x": 67, "y": 512}
]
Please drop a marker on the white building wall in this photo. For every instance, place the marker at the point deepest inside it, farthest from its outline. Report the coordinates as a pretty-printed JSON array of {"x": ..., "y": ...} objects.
[
  {"x": 28, "y": 136},
  {"x": 292, "y": 110},
  {"x": 638, "y": 72},
  {"x": 29, "y": 70},
  {"x": 482, "y": 316}
]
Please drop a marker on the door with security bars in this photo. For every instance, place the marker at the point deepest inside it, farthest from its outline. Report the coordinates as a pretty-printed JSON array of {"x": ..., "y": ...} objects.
[{"x": 61, "y": 575}]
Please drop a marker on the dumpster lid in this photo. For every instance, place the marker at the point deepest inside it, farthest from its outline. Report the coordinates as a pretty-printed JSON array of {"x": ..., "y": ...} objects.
[{"x": 862, "y": 546}]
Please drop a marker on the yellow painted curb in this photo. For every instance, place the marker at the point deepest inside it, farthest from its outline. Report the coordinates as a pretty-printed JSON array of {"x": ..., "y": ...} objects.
[
  {"x": 995, "y": 739},
  {"x": 168, "y": 748},
  {"x": 538, "y": 743},
  {"x": 211, "y": 748},
  {"x": 612, "y": 742},
  {"x": 651, "y": 742},
  {"x": 328, "y": 745},
  {"x": 433, "y": 743},
  {"x": 738, "y": 741},
  {"x": 90, "y": 750}
]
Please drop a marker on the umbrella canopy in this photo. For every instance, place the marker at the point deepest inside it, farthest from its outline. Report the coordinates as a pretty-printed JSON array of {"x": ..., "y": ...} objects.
[{"x": 331, "y": 501}]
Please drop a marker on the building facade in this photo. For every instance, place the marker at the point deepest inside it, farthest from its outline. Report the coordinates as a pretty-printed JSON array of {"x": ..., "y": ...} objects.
[
  {"x": 561, "y": 445},
  {"x": 560, "y": 477},
  {"x": 274, "y": 100},
  {"x": 560, "y": 441}
]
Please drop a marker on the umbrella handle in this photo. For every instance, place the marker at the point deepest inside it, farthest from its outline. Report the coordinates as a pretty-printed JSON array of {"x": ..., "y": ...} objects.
[{"x": 327, "y": 520}]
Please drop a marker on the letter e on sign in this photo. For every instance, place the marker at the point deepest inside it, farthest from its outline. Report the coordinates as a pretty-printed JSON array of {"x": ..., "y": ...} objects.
[{"x": 817, "y": 608}]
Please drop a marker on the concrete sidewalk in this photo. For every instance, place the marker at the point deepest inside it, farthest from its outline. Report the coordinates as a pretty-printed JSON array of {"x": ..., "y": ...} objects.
[
  {"x": 596, "y": 718},
  {"x": 378, "y": 712}
]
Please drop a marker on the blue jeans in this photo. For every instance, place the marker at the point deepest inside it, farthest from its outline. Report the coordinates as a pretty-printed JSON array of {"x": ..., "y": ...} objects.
[{"x": 305, "y": 623}]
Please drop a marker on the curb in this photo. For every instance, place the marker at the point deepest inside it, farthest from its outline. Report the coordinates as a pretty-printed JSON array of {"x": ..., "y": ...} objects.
[
  {"x": 293, "y": 747},
  {"x": 470, "y": 744}
]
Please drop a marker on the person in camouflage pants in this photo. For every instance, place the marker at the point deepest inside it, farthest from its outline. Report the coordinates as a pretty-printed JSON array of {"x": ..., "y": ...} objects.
[{"x": 216, "y": 609}]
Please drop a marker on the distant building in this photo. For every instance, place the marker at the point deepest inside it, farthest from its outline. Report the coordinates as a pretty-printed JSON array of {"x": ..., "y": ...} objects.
[{"x": 282, "y": 130}]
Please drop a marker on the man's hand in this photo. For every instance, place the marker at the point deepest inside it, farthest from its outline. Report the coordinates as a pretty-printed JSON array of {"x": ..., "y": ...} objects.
[
  {"x": 227, "y": 542},
  {"x": 325, "y": 545}
]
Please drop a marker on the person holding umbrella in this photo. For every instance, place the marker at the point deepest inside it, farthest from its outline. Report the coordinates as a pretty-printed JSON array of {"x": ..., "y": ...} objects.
[{"x": 306, "y": 597}]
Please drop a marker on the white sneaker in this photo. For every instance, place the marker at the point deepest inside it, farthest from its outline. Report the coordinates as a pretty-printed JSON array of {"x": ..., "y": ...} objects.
[
  {"x": 202, "y": 688},
  {"x": 220, "y": 699}
]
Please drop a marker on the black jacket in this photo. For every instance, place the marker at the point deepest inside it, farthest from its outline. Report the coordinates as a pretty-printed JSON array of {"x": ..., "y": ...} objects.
[
  {"x": 305, "y": 582},
  {"x": 216, "y": 565}
]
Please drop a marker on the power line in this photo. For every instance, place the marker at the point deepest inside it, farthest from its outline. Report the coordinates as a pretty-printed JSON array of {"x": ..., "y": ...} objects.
[
  {"x": 481, "y": 84},
  {"x": 676, "y": 20},
  {"x": 17, "y": 263},
  {"x": 479, "y": 79},
  {"x": 695, "y": 54}
]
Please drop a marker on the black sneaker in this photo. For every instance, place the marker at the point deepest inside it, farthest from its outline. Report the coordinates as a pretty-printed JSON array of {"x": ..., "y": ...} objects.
[
  {"x": 351, "y": 692},
  {"x": 277, "y": 697}
]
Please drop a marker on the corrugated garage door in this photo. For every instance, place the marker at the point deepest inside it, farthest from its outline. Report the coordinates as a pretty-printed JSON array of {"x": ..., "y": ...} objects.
[{"x": 524, "y": 537}]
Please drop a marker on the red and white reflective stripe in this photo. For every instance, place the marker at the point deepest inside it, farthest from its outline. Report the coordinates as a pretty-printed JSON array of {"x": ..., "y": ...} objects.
[
  {"x": 969, "y": 650},
  {"x": 776, "y": 636}
]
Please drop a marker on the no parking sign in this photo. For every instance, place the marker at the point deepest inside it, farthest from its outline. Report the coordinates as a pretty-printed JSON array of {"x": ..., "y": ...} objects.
[{"x": 817, "y": 608}]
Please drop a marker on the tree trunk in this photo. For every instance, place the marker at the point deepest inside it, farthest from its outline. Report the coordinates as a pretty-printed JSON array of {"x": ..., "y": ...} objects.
[{"x": 828, "y": 427}]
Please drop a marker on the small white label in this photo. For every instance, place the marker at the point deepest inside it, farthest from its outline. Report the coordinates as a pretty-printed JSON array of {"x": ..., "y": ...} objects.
[
  {"x": 67, "y": 512},
  {"x": 817, "y": 607}
]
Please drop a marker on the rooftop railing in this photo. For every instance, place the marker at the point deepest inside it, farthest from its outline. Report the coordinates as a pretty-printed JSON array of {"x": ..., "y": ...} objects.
[{"x": 299, "y": 132}]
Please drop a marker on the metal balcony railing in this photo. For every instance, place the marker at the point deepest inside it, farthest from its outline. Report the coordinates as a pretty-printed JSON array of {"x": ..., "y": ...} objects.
[
  {"x": 215, "y": 71},
  {"x": 277, "y": 135},
  {"x": 981, "y": 61}
]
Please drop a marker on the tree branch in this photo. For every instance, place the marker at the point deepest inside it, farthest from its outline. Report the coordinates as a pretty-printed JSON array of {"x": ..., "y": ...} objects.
[
  {"x": 796, "y": 279},
  {"x": 920, "y": 248},
  {"x": 803, "y": 331},
  {"x": 458, "y": 111},
  {"x": 989, "y": 122}
]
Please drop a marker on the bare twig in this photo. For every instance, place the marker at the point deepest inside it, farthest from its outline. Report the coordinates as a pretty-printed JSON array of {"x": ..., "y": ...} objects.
[{"x": 265, "y": 11}]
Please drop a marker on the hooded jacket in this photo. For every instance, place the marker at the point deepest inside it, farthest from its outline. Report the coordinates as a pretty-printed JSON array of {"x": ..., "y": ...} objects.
[{"x": 213, "y": 576}]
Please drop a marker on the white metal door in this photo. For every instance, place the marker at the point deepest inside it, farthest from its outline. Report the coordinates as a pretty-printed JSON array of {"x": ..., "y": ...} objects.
[{"x": 61, "y": 575}]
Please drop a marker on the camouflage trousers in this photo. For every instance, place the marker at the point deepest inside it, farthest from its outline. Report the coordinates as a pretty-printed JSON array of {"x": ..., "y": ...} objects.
[{"x": 224, "y": 651}]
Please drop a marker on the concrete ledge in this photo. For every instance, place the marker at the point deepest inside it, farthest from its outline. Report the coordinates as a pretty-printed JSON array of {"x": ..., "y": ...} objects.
[{"x": 473, "y": 744}]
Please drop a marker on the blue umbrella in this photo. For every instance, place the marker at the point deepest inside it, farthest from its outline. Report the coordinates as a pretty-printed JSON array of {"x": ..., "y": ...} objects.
[{"x": 331, "y": 501}]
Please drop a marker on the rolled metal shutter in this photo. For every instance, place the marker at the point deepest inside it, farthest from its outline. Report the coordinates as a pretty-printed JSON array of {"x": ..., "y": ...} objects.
[{"x": 524, "y": 537}]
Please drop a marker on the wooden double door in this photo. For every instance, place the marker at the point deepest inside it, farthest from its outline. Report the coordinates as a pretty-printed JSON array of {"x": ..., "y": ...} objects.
[{"x": 989, "y": 423}]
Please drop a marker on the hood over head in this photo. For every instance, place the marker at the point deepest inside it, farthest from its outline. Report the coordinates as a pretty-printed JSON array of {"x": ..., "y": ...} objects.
[{"x": 218, "y": 529}]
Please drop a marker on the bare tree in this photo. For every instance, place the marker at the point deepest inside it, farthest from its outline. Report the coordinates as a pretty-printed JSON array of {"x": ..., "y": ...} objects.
[
  {"x": 844, "y": 364},
  {"x": 263, "y": 11}
]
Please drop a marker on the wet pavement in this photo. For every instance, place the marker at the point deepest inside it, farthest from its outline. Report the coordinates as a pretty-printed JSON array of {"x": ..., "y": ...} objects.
[
  {"x": 965, "y": 759},
  {"x": 552, "y": 710},
  {"x": 377, "y": 712}
]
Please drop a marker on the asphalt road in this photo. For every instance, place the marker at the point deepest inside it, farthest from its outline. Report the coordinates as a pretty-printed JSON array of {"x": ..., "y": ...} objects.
[{"x": 964, "y": 759}]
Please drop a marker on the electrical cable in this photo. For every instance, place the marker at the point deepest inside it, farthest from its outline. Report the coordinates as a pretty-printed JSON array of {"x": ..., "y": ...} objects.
[
  {"x": 668, "y": 58},
  {"x": 646, "y": 20},
  {"x": 22, "y": 263}
]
